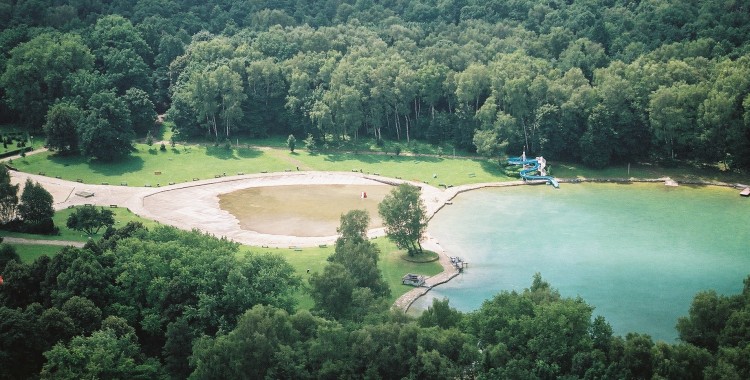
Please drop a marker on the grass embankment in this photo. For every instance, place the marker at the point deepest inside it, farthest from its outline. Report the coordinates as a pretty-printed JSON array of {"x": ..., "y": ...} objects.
[{"x": 680, "y": 173}]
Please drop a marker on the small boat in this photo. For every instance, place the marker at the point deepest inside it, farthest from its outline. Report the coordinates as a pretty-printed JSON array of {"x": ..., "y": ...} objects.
[{"x": 746, "y": 192}]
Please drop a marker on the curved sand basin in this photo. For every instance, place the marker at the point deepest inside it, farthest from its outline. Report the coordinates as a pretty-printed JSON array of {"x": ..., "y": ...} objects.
[
  {"x": 302, "y": 210},
  {"x": 199, "y": 207}
]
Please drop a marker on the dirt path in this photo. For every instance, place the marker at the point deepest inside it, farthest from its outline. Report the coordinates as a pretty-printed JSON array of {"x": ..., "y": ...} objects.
[
  {"x": 63, "y": 243},
  {"x": 293, "y": 161}
]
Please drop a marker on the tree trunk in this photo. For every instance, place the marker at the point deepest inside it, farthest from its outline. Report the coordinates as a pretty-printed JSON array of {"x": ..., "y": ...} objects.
[{"x": 407, "y": 129}]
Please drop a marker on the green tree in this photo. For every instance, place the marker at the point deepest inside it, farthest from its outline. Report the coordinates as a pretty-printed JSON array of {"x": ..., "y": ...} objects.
[
  {"x": 34, "y": 74},
  {"x": 106, "y": 132},
  {"x": 353, "y": 227},
  {"x": 103, "y": 355},
  {"x": 57, "y": 326},
  {"x": 8, "y": 196},
  {"x": 361, "y": 262},
  {"x": 486, "y": 142},
  {"x": 62, "y": 119},
  {"x": 291, "y": 142},
  {"x": 267, "y": 340},
  {"x": 440, "y": 314},
  {"x": 176, "y": 358},
  {"x": 90, "y": 219},
  {"x": 310, "y": 143},
  {"x": 404, "y": 217},
  {"x": 36, "y": 204},
  {"x": 21, "y": 342},
  {"x": 7, "y": 253},
  {"x": 86, "y": 317},
  {"x": 332, "y": 290},
  {"x": 142, "y": 113},
  {"x": 708, "y": 315}
]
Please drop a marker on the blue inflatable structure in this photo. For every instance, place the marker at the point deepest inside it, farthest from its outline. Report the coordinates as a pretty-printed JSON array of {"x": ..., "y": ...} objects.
[{"x": 530, "y": 168}]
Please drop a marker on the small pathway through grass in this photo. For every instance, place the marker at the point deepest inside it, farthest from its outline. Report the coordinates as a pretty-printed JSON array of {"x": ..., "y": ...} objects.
[{"x": 63, "y": 243}]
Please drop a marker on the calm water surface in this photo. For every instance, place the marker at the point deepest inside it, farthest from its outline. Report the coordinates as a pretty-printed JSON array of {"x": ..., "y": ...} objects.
[{"x": 637, "y": 253}]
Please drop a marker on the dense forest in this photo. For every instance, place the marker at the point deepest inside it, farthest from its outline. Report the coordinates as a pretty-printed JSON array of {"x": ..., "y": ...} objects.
[
  {"x": 595, "y": 81},
  {"x": 164, "y": 303}
]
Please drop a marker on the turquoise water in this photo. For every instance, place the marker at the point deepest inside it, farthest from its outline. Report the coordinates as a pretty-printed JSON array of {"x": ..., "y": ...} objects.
[{"x": 638, "y": 253}]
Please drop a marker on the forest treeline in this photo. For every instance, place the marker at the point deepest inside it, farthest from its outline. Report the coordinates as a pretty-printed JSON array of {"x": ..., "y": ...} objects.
[
  {"x": 595, "y": 81},
  {"x": 170, "y": 304}
]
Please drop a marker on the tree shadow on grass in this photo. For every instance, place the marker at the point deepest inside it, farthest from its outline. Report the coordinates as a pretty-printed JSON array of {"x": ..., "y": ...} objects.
[
  {"x": 365, "y": 158},
  {"x": 249, "y": 152},
  {"x": 220, "y": 152},
  {"x": 129, "y": 164},
  {"x": 492, "y": 167},
  {"x": 375, "y": 159}
]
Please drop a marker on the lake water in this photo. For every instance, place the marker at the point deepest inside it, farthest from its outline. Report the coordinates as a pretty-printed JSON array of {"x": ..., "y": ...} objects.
[{"x": 638, "y": 253}]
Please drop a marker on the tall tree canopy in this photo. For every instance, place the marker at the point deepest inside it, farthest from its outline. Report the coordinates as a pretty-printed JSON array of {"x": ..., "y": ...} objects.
[{"x": 404, "y": 216}]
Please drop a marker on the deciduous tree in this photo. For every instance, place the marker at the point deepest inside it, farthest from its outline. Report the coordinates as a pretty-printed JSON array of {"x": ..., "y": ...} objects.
[
  {"x": 106, "y": 131},
  {"x": 8, "y": 196},
  {"x": 36, "y": 204},
  {"x": 90, "y": 219},
  {"x": 404, "y": 217},
  {"x": 62, "y": 120}
]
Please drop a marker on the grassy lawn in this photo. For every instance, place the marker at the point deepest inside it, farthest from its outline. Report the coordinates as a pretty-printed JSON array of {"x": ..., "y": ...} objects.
[
  {"x": 35, "y": 139},
  {"x": 151, "y": 166},
  {"x": 30, "y": 252},
  {"x": 679, "y": 173},
  {"x": 314, "y": 259},
  {"x": 122, "y": 217},
  {"x": 429, "y": 169}
]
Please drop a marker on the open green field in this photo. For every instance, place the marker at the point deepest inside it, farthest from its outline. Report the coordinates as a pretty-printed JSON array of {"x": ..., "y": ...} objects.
[
  {"x": 314, "y": 259},
  {"x": 151, "y": 166}
]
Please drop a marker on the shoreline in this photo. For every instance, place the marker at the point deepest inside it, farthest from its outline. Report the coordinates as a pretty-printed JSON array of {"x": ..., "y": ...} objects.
[{"x": 194, "y": 205}]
